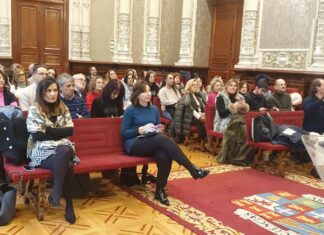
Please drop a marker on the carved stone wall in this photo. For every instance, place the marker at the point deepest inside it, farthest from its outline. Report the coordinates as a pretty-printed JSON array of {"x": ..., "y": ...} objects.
[
  {"x": 79, "y": 30},
  {"x": 287, "y": 37},
  {"x": 5, "y": 29}
]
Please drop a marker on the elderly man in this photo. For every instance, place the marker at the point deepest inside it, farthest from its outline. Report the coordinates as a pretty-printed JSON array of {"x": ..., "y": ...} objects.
[
  {"x": 280, "y": 98},
  {"x": 79, "y": 85},
  {"x": 28, "y": 94},
  {"x": 75, "y": 104}
]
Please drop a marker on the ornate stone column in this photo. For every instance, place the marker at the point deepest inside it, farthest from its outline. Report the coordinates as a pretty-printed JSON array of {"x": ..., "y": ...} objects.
[
  {"x": 152, "y": 29},
  {"x": 5, "y": 29},
  {"x": 188, "y": 28},
  {"x": 75, "y": 26},
  {"x": 85, "y": 30},
  {"x": 248, "y": 53},
  {"x": 123, "y": 31},
  {"x": 317, "y": 61}
]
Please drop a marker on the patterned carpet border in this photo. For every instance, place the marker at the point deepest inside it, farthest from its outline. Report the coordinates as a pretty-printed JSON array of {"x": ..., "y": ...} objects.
[{"x": 194, "y": 219}]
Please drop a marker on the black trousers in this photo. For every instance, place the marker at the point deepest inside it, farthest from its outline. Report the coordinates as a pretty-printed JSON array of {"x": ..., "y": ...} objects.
[
  {"x": 200, "y": 127},
  {"x": 61, "y": 166},
  {"x": 164, "y": 150}
]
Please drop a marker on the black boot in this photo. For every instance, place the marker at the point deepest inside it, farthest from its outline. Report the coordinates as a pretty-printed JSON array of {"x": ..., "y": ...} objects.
[
  {"x": 198, "y": 173},
  {"x": 161, "y": 196}
]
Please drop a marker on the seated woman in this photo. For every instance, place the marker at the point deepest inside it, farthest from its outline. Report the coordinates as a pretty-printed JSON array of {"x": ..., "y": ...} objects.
[
  {"x": 150, "y": 80},
  {"x": 95, "y": 88},
  {"x": 178, "y": 84},
  {"x": 19, "y": 82},
  {"x": 49, "y": 124},
  {"x": 142, "y": 134},
  {"x": 128, "y": 83},
  {"x": 243, "y": 87},
  {"x": 216, "y": 86},
  {"x": 169, "y": 97},
  {"x": 228, "y": 103},
  {"x": 191, "y": 111},
  {"x": 6, "y": 97},
  {"x": 110, "y": 102}
]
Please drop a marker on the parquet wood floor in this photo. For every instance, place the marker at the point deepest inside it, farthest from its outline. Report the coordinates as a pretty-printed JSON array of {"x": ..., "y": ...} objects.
[{"x": 107, "y": 210}]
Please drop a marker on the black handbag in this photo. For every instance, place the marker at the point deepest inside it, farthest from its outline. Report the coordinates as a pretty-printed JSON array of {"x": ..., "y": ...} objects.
[
  {"x": 263, "y": 128},
  {"x": 7, "y": 203}
]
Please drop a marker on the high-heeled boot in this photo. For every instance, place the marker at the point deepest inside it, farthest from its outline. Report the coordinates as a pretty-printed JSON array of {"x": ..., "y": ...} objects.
[
  {"x": 197, "y": 173},
  {"x": 161, "y": 196}
]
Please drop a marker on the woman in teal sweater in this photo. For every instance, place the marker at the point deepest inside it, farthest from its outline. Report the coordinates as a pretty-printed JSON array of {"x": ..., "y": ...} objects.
[{"x": 143, "y": 136}]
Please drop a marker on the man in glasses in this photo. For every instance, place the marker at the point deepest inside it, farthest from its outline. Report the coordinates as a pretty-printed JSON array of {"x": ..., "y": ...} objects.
[
  {"x": 280, "y": 98},
  {"x": 79, "y": 85}
]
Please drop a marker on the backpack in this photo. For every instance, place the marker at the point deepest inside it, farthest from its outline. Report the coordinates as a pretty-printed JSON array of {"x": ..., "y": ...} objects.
[{"x": 263, "y": 128}]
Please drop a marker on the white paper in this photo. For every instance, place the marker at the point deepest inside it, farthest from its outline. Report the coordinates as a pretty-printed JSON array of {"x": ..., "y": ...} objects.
[{"x": 289, "y": 131}]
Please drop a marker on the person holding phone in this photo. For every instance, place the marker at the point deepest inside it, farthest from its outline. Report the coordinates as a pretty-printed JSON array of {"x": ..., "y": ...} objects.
[
  {"x": 256, "y": 99},
  {"x": 142, "y": 118},
  {"x": 228, "y": 102},
  {"x": 49, "y": 123}
]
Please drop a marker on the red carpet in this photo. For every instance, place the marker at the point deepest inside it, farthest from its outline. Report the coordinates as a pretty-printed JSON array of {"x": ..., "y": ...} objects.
[{"x": 214, "y": 194}]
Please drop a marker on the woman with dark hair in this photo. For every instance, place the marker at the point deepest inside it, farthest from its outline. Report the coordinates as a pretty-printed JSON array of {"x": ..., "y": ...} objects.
[
  {"x": 110, "y": 102},
  {"x": 49, "y": 124},
  {"x": 243, "y": 87},
  {"x": 150, "y": 81},
  {"x": 169, "y": 97},
  {"x": 143, "y": 136},
  {"x": 178, "y": 84},
  {"x": 6, "y": 97}
]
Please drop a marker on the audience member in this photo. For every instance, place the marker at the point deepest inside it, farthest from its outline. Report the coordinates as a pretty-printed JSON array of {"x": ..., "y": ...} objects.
[
  {"x": 76, "y": 105},
  {"x": 280, "y": 98},
  {"x": 30, "y": 72},
  {"x": 216, "y": 86},
  {"x": 19, "y": 82},
  {"x": 128, "y": 83},
  {"x": 150, "y": 80},
  {"x": 169, "y": 97},
  {"x": 265, "y": 78},
  {"x": 80, "y": 85},
  {"x": 6, "y": 97},
  {"x": 95, "y": 88},
  {"x": 110, "y": 102},
  {"x": 191, "y": 111},
  {"x": 111, "y": 74},
  {"x": 49, "y": 123},
  {"x": 92, "y": 75},
  {"x": 142, "y": 134},
  {"x": 314, "y": 108},
  {"x": 256, "y": 99},
  {"x": 228, "y": 102},
  {"x": 28, "y": 94},
  {"x": 178, "y": 84},
  {"x": 51, "y": 72},
  {"x": 243, "y": 87}
]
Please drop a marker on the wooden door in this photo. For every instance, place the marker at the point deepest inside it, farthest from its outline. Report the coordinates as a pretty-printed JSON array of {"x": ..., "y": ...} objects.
[
  {"x": 40, "y": 33},
  {"x": 226, "y": 37}
]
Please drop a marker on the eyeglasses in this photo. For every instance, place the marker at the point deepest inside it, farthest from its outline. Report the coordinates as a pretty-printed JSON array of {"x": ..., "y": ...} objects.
[
  {"x": 42, "y": 74},
  {"x": 81, "y": 79},
  {"x": 21, "y": 74}
]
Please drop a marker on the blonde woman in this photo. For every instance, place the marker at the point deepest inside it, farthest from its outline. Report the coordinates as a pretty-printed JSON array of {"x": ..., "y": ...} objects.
[
  {"x": 228, "y": 103},
  {"x": 216, "y": 86},
  {"x": 95, "y": 89}
]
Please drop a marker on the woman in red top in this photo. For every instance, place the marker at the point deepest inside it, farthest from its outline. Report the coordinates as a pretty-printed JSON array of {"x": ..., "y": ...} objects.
[{"x": 95, "y": 88}]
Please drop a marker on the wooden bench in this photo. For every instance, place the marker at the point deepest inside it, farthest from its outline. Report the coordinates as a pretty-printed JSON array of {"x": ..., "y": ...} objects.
[
  {"x": 99, "y": 146},
  {"x": 290, "y": 118}
]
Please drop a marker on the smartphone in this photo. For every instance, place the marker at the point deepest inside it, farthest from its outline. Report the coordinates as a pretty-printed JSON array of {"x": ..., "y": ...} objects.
[{"x": 28, "y": 168}]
